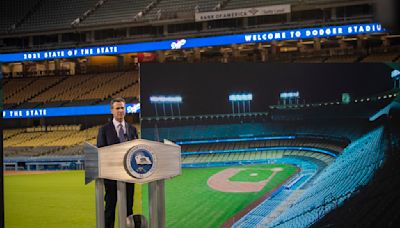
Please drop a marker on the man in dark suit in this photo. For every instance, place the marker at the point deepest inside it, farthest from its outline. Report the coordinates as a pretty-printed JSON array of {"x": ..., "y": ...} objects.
[{"x": 114, "y": 132}]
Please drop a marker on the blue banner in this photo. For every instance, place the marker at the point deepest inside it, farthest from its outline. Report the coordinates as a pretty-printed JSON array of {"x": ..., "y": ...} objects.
[
  {"x": 292, "y": 34},
  {"x": 66, "y": 111}
]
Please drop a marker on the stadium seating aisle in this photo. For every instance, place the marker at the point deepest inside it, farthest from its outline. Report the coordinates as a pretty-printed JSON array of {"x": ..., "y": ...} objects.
[
  {"x": 280, "y": 198},
  {"x": 115, "y": 84},
  {"x": 69, "y": 90},
  {"x": 35, "y": 88},
  {"x": 377, "y": 205},
  {"x": 116, "y": 11},
  {"x": 336, "y": 183},
  {"x": 13, "y": 86},
  {"x": 11, "y": 133},
  {"x": 168, "y": 9},
  {"x": 263, "y": 209},
  {"x": 64, "y": 87},
  {"x": 21, "y": 138},
  {"x": 56, "y": 13},
  {"x": 12, "y": 17}
]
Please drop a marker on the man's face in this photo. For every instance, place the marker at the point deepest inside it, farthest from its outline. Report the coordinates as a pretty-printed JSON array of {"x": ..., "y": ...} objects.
[{"x": 118, "y": 111}]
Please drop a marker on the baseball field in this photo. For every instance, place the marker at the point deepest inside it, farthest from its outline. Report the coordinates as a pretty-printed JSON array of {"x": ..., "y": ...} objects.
[{"x": 201, "y": 197}]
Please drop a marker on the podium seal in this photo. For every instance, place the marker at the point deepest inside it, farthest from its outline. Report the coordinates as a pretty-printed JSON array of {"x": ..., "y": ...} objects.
[{"x": 140, "y": 161}]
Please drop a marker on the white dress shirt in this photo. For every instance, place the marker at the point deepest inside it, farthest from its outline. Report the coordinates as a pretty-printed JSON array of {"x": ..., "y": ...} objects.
[{"x": 116, "y": 126}]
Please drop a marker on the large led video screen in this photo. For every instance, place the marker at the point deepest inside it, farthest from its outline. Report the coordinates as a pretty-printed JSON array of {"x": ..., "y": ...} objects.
[{"x": 266, "y": 144}]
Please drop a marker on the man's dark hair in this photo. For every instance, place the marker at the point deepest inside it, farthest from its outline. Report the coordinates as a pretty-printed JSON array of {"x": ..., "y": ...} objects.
[{"x": 117, "y": 99}]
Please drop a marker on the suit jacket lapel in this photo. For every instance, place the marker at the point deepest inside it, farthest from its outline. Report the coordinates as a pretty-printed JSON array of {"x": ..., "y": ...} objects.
[
  {"x": 113, "y": 133},
  {"x": 128, "y": 131}
]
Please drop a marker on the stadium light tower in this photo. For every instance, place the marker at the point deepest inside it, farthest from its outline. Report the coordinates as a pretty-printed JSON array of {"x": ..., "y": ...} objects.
[
  {"x": 241, "y": 100},
  {"x": 166, "y": 100},
  {"x": 396, "y": 79},
  {"x": 289, "y": 98}
]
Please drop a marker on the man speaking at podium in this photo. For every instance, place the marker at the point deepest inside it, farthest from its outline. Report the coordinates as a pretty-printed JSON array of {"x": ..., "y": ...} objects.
[{"x": 114, "y": 132}]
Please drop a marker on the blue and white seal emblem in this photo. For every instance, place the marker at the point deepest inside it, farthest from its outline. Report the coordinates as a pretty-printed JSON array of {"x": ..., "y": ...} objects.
[{"x": 140, "y": 161}]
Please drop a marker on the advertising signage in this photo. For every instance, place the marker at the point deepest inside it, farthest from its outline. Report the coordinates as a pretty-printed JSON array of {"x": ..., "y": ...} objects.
[
  {"x": 66, "y": 111},
  {"x": 268, "y": 36},
  {"x": 243, "y": 12}
]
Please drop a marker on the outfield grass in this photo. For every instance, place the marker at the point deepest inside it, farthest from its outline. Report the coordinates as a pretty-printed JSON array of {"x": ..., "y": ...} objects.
[
  {"x": 49, "y": 200},
  {"x": 62, "y": 200},
  {"x": 191, "y": 203}
]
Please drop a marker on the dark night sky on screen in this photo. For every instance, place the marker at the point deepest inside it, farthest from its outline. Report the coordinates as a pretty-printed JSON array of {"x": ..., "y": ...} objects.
[{"x": 205, "y": 87}]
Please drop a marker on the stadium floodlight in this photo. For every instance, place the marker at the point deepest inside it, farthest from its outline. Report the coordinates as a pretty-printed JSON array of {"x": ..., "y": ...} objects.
[
  {"x": 241, "y": 97},
  {"x": 165, "y": 99},
  {"x": 395, "y": 73},
  {"x": 172, "y": 101},
  {"x": 241, "y": 100},
  {"x": 290, "y": 95}
]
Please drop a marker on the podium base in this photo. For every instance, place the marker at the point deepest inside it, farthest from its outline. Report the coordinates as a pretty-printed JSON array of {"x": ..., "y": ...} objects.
[{"x": 157, "y": 204}]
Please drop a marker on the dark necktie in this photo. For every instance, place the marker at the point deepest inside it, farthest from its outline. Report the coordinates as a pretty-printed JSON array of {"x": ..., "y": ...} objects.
[{"x": 121, "y": 134}]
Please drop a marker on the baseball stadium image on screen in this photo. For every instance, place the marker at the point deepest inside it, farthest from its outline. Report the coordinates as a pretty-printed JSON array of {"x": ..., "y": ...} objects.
[{"x": 267, "y": 145}]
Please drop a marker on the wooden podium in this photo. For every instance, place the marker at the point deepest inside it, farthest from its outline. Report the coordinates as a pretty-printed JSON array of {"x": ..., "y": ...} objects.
[{"x": 138, "y": 161}]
